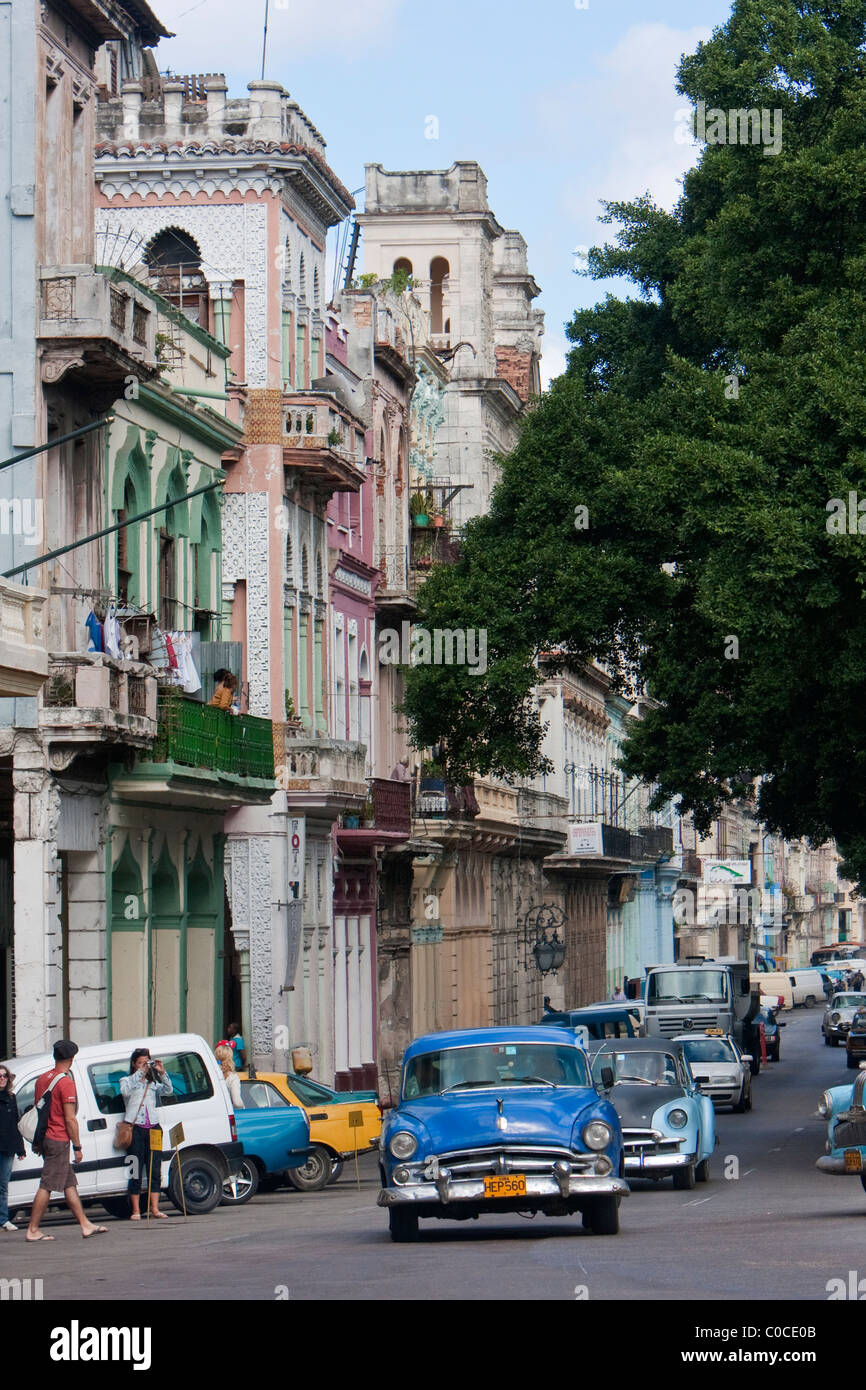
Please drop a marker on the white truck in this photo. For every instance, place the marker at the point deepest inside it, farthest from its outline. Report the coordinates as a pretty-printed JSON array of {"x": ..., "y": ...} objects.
[{"x": 702, "y": 992}]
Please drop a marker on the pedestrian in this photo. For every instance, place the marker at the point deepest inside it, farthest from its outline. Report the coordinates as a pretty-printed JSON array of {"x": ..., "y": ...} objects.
[
  {"x": 142, "y": 1089},
  {"x": 857, "y": 980},
  {"x": 224, "y": 689},
  {"x": 225, "y": 1057},
  {"x": 234, "y": 1040},
  {"x": 57, "y": 1171},
  {"x": 11, "y": 1144},
  {"x": 400, "y": 771},
  {"x": 619, "y": 994},
  {"x": 548, "y": 1007}
]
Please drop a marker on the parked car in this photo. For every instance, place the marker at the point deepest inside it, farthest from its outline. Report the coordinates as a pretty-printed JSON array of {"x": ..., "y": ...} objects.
[
  {"x": 722, "y": 1071},
  {"x": 608, "y": 1020},
  {"x": 845, "y": 1147},
  {"x": 500, "y": 1120},
  {"x": 210, "y": 1153},
  {"x": 341, "y": 1123},
  {"x": 807, "y": 987},
  {"x": 668, "y": 1125},
  {"x": 855, "y": 1042},
  {"x": 772, "y": 1039},
  {"x": 838, "y": 1016},
  {"x": 276, "y": 1140}
]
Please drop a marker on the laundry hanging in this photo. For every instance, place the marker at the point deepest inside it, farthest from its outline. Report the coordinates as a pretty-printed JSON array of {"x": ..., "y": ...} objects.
[{"x": 94, "y": 633}]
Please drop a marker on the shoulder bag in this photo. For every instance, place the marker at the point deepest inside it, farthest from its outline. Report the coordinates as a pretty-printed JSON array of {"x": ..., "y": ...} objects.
[
  {"x": 123, "y": 1133},
  {"x": 34, "y": 1121}
]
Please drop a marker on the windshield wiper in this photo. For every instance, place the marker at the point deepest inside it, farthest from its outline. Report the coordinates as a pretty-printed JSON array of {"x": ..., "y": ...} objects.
[
  {"x": 638, "y": 1080},
  {"x": 527, "y": 1080},
  {"x": 462, "y": 1085}
]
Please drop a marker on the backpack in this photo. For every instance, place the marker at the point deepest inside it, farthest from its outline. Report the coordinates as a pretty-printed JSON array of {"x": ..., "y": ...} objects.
[{"x": 34, "y": 1122}]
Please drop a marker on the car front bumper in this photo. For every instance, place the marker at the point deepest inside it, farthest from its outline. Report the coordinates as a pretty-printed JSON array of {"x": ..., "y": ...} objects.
[
  {"x": 638, "y": 1164},
  {"x": 835, "y": 1167},
  {"x": 444, "y": 1191}
]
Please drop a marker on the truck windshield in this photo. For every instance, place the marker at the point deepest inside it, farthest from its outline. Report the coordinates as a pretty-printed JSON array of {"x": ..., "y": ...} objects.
[{"x": 687, "y": 986}]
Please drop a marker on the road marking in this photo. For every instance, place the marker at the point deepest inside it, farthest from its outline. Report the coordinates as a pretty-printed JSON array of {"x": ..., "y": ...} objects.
[
  {"x": 799, "y": 1129},
  {"x": 775, "y": 1151},
  {"x": 699, "y": 1201},
  {"x": 748, "y": 1171}
]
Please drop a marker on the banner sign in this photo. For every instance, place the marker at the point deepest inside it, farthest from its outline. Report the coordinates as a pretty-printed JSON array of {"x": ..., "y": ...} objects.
[
  {"x": 585, "y": 839},
  {"x": 297, "y": 855}
]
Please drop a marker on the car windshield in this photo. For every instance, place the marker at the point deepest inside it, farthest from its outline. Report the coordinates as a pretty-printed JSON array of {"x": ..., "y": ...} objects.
[
  {"x": 685, "y": 986},
  {"x": 310, "y": 1092},
  {"x": 848, "y": 1001},
  {"x": 859, "y": 1020},
  {"x": 488, "y": 1064},
  {"x": 709, "y": 1050},
  {"x": 642, "y": 1068}
]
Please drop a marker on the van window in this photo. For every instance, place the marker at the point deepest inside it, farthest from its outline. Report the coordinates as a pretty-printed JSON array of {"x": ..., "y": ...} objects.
[
  {"x": 189, "y": 1077},
  {"x": 25, "y": 1095},
  {"x": 261, "y": 1095}
]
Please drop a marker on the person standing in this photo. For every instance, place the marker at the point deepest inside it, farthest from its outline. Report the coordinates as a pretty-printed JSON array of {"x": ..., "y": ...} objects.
[
  {"x": 57, "y": 1171},
  {"x": 225, "y": 1057},
  {"x": 142, "y": 1089},
  {"x": 238, "y": 1046},
  {"x": 11, "y": 1144}
]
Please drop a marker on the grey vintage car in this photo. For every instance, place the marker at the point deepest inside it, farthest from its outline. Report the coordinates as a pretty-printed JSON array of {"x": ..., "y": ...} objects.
[{"x": 838, "y": 1016}]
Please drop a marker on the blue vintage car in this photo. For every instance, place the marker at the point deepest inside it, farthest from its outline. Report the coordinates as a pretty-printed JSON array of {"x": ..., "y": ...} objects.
[
  {"x": 500, "y": 1120},
  {"x": 845, "y": 1148},
  {"x": 668, "y": 1124},
  {"x": 275, "y": 1136}
]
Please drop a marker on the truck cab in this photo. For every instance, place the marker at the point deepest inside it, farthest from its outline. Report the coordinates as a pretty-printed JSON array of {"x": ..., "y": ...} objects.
[{"x": 698, "y": 993}]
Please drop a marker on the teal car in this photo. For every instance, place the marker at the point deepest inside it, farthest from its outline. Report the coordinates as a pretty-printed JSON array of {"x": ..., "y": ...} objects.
[{"x": 845, "y": 1149}]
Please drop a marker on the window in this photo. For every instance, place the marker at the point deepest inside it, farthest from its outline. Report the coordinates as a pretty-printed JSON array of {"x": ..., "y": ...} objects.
[
  {"x": 439, "y": 272},
  {"x": 310, "y": 1092},
  {"x": 167, "y": 581},
  {"x": 466, "y": 1068},
  {"x": 187, "y": 1071},
  {"x": 124, "y": 565},
  {"x": 25, "y": 1095},
  {"x": 174, "y": 269},
  {"x": 261, "y": 1095}
]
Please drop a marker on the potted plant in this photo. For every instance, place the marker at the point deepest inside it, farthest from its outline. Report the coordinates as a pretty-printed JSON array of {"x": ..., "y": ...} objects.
[
  {"x": 420, "y": 505},
  {"x": 335, "y": 438},
  {"x": 438, "y": 520},
  {"x": 291, "y": 713},
  {"x": 368, "y": 815},
  {"x": 432, "y": 776}
]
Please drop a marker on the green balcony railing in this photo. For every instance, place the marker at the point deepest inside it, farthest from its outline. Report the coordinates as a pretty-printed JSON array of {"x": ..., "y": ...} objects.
[{"x": 197, "y": 735}]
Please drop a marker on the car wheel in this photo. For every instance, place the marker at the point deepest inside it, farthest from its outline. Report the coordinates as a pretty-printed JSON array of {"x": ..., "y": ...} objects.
[
  {"x": 242, "y": 1186},
  {"x": 684, "y": 1178},
  {"x": 740, "y": 1106},
  {"x": 827, "y": 1040},
  {"x": 603, "y": 1216},
  {"x": 336, "y": 1170},
  {"x": 403, "y": 1225},
  {"x": 755, "y": 1066},
  {"x": 315, "y": 1173},
  {"x": 118, "y": 1207},
  {"x": 747, "y": 1099},
  {"x": 202, "y": 1185},
  {"x": 702, "y": 1172},
  {"x": 810, "y": 1001}
]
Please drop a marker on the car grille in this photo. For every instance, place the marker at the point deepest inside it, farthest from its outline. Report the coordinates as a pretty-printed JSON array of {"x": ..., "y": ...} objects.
[
  {"x": 637, "y": 1141},
  {"x": 473, "y": 1163},
  {"x": 690, "y": 1021},
  {"x": 849, "y": 1135}
]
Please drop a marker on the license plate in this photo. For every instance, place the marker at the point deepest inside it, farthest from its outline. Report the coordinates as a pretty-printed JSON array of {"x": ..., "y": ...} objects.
[
  {"x": 853, "y": 1161},
  {"x": 514, "y": 1185}
]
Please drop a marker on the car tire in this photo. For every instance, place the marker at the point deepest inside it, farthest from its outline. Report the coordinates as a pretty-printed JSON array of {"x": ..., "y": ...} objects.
[
  {"x": 603, "y": 1215},
  {"x": 702, "y": 1172},
  {"x": 740, "y": 1106},
  {"x": 336, "y": 1170},
  {"x": 242, "y": 1186},
  {"x": 118, "y": 1207},
  {"x": 315, "y": 1173},
  {"x": 684, "y": 1178},
  {"x": 747, "y": 1100},
  {"x": 755, "y": 1066},
  {"x": 202, "y": 1185},
  {"x": 810, "y": 1001},
  {"x": 403, "y": 1225}
]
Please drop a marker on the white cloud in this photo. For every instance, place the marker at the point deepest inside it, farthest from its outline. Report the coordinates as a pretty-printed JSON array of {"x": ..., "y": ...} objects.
[
  {"x": 222, "y": 35},
  {"x": 618, "y": 129}
]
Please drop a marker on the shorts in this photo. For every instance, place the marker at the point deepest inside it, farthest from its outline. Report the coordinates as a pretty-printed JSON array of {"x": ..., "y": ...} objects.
[{"x": 57, "y": 1171}]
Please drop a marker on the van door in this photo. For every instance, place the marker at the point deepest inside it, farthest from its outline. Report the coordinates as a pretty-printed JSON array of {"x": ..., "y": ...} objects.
[
  {"x": 106, "y": 1109},
  {"x": 27, "y": 1172}
]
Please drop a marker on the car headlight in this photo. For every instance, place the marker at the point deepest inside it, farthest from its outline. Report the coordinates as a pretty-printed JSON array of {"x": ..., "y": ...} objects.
[
  {"x": 403, "y": 1144},
  {"x": 825, "y": 1104},
  {"x": 834, "y": 1018},
  {"x": 728, "y": 1080},
  {"x": 597, "y": 1135},
  {"x": 678, "y": 1118}
]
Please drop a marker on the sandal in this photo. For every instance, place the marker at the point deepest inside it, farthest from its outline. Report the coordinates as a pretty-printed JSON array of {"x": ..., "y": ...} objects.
[{"x": 97, "y": 1231}]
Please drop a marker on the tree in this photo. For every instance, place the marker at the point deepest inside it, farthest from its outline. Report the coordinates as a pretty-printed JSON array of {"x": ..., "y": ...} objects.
[{"x": 706, "y": 425}]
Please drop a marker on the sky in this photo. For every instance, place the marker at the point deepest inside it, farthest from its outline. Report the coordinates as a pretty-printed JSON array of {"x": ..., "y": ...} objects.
[{"x": 575, "y": 106}]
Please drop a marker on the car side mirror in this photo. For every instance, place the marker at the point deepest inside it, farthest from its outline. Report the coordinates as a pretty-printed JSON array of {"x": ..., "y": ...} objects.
[
  {"x": 745, "y": 1057},
  {"x": 607, "y": 1078}
]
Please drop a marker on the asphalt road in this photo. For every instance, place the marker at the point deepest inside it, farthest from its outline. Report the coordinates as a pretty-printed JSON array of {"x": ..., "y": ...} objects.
[{"x": 777, "y": 1230}]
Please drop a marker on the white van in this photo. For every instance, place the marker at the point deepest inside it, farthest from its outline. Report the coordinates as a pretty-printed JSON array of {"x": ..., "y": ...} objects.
[
  {"x": 807, "y": 987},
  {"x": 209, "y": 1152},
  {"x": 775, "y": 982}
]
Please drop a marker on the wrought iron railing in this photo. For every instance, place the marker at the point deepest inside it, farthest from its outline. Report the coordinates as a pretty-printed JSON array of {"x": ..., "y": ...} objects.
[
  {"x": 197, "y": 735},
  {"x": 391, "y": 805}
]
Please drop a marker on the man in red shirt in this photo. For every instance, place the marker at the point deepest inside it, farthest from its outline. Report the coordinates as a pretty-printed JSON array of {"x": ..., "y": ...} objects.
[{"x": 57, "y": 1172}]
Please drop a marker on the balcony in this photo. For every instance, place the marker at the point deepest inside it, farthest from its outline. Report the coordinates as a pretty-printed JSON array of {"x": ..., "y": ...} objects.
[
  {"x": 94, "y": 328},
  {"x": 691, "y": 867},
  {"x": 392, "y": 595},
  {"x": 430, "y": 546},
  {"x": 657, "y": 841},
  {"x": 322, "y": 442},
  {"x": 384, "y": 819},
  {"x": 202, "y": 757},
  {"x": 23, "y": 658},
  {"x": 89, "y": 697},
  {"x": 323, "y": 775}
]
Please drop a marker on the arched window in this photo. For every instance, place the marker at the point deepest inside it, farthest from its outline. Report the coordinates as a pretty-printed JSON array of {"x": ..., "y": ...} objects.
[
  {"x": 439, "y": 272},
  {"x": 127, "y": 546},
  {"x": 402, "y": 264},
  {"x": 173, "y": 260}
]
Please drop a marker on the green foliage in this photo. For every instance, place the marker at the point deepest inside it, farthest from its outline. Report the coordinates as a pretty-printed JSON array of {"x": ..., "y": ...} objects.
[{"x": 705, "y": 424}]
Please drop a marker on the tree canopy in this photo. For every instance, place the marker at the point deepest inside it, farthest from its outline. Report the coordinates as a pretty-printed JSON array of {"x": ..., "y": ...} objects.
[{"x": 706, "y": 423}]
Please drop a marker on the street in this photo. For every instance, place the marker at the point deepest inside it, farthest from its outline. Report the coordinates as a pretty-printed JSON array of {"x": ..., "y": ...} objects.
[{"x": 778, "y": 1230}]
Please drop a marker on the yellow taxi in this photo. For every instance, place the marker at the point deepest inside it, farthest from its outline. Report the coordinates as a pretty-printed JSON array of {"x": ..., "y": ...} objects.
[{"x": 341, "y": 1122}]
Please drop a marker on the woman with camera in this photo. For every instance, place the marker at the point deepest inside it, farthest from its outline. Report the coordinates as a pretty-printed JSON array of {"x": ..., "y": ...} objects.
[{"x": 147, "y": 1082}]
